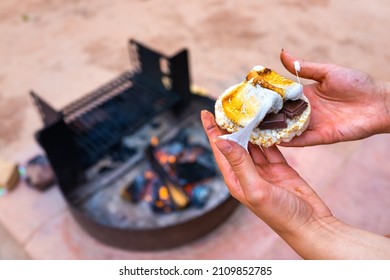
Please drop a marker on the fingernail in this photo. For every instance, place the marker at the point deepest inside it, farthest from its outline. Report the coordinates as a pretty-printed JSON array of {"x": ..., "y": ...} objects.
[
  {"x": 223, "y": 145},
  {"x": 204, "y": 112}
]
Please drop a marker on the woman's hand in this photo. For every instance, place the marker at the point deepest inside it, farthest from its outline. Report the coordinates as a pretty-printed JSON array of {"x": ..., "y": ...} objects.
[
  {"x": 346, "y": 104},
  {"x": 264, "y": 182}
]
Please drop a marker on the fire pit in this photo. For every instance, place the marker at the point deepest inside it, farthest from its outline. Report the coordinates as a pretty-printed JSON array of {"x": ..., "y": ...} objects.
[{"x": 132, "y": 160}]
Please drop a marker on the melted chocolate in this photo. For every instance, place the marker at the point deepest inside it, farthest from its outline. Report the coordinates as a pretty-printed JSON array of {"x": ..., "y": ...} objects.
[
  {"x": 294, "y": 108},
  {"x": 272, "y": 121},
  {"x": 290, "y": 110}
]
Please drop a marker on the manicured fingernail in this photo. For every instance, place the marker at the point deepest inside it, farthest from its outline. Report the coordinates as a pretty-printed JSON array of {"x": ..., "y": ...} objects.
[{"x": 223, "y": 145}]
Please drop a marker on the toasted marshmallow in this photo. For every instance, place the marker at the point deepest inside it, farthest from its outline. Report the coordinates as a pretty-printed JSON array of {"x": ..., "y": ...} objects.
[
  {"x": 243, "y": 102},
  {"x": 262, "y": 92},
  {"x": 269, "y": 79}
]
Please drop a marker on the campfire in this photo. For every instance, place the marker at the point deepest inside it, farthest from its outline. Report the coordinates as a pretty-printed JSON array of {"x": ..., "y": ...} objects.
[{"x": 132, "y": 160}]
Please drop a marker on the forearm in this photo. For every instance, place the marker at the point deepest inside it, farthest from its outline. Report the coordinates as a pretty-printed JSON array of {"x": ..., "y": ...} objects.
[{"x": 331, "y": 239}]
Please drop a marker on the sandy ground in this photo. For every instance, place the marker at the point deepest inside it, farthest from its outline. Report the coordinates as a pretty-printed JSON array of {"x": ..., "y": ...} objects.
[{"x": 63, "y": 49}]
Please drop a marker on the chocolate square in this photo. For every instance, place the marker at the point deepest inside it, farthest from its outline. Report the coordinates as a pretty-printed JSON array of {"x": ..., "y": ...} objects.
[
  {"x": 272, "y": 121},
  {"x": 293, "y": 108}
]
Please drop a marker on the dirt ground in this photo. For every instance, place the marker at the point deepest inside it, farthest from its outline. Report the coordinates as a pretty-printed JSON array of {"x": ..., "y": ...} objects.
[{"x": 63, "y": 49}]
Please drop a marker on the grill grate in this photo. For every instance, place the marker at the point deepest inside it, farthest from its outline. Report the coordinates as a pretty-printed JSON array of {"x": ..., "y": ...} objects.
[{"x": 98, "y": 121}]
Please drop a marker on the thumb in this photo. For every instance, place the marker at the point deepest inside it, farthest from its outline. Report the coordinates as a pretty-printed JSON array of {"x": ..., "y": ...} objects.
[
  {"x": 309, "y": 70},
  {"x": 241, "y": 163}
]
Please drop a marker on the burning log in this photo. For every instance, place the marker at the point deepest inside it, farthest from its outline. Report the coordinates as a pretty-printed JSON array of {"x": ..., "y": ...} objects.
[
  {"x": 176, "y": 176},
  {"x": 179, "y": 198},
  {"x": 161, "y": 199},
  {"x": 195, "y": 165}
]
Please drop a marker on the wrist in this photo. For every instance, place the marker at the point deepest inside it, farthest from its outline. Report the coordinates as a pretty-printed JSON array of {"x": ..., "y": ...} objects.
[
  {"x": 311, "y": 241},
  {"x": 329, "y": 238}
]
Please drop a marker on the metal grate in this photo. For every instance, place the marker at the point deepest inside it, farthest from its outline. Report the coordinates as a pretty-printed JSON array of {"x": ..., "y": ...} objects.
[{"x": 100, "y": 120}]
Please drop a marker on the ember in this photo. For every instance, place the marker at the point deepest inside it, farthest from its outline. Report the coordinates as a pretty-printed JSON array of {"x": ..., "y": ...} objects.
[{"x": 175, "y": 178}]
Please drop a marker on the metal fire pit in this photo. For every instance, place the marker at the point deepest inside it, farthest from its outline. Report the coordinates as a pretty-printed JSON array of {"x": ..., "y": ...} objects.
[{"x": 96, "y": 146}]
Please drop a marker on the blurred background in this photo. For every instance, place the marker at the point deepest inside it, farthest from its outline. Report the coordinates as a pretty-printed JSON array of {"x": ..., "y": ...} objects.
[{"x": 64, "y": 49}]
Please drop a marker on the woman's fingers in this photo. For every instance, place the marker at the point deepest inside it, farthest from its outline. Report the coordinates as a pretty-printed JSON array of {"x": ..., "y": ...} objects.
[
  {"x": 307, "y": 138},
  {"x": 309, "y": 70},
  {"x": 236, "y": 165},
  {"x": 262, "y": 156},
  {"x": 213, "y": 131},
  {"x": 274, "y": 155},
  {"x": 257, "y": 154},
  {"x": 255, "y": 188}
]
